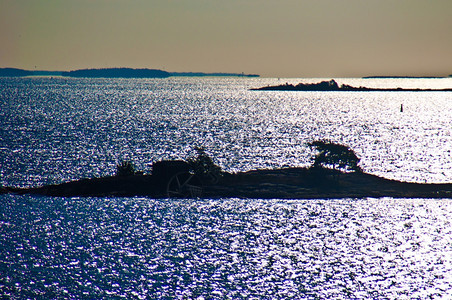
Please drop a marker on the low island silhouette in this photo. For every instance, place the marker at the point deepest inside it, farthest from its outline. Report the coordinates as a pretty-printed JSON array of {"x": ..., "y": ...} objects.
[
  {"x": 335, "y": 173},
  {"x": 115, "y": 73},
  {"x": 333, "y": 86}
]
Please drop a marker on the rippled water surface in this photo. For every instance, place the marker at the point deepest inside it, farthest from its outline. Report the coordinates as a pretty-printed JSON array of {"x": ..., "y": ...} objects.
[
  {"x": 57, "y": 129},
  {"x": 60, "y": 129},
  {"x": 228, "y": 248}
]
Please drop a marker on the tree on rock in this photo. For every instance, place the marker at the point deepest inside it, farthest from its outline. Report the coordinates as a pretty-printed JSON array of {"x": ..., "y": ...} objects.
[{"x": 335, "y": 156}]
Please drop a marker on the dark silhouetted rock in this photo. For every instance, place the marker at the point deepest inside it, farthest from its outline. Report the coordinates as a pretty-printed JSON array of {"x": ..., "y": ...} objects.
[{"x": 334, "y": 174}]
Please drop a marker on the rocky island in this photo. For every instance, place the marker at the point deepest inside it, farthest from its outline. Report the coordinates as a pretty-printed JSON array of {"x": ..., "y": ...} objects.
[
  {"x": 333, "y": 86},
  {"x": 334, "y": 174}
]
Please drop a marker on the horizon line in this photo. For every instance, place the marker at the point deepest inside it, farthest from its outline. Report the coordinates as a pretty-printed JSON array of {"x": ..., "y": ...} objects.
[{"x": 200, "y": 73}]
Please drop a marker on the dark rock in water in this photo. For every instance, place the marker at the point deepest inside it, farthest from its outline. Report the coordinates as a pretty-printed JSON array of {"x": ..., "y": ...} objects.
[
  {"x": 334, "y": 174},
  {"x": 287, "y": 183},
  {"x": 332, "y": 86},
  {"x": 312, "y": 183},
  {"x": 134, "y": 185}
]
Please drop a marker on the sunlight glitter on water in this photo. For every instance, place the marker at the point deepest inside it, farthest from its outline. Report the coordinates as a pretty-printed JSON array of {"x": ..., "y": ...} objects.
[
  {"x": 233, "y": 248},
  {"x": 89, "y": 125},
  {"x": 58, "y": 129}
]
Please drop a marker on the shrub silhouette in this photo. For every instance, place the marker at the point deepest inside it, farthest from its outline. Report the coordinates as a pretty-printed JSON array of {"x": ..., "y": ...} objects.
[
  {"x": 204, "y": 166},
  {"x": 125, "y": 168}
]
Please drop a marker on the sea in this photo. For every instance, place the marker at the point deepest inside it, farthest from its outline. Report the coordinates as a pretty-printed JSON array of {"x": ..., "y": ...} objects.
[{"x": 55, "y": 129}]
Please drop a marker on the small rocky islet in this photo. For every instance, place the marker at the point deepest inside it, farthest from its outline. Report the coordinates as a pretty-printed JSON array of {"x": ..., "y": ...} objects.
[
  {"x": 333, "y": 86},
  {"x": 334, "y": 174}
]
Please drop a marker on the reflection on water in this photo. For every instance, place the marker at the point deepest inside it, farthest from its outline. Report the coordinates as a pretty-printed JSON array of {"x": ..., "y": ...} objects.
[
  {"x": 60, "y": 129},
  {"x": 228, "y": 248}
]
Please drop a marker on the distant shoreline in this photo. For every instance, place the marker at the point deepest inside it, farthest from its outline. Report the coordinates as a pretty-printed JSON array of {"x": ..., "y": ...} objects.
[
  {"x": 333, "y": 86},
  {"x": 115, "y": 73},
  {"x": 156, "y": 73},
  {"x": 406, "y": 77}
]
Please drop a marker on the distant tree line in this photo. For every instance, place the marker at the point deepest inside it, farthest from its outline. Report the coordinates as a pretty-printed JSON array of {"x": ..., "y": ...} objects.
[
  {"x": 118, "y": 73},
  {"x": 12, "y": 72}
]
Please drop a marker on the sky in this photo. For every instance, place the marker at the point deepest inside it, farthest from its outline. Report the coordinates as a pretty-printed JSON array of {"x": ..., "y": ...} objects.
[{"x": 284, "y": 38}]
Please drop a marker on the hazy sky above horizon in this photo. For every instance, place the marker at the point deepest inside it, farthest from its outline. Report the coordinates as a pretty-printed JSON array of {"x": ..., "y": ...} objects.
[{"x": 286, "y": 38}]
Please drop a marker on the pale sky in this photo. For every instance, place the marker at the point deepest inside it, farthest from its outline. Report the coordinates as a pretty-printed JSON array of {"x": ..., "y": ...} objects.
[{"x": 284, "y": 38}]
